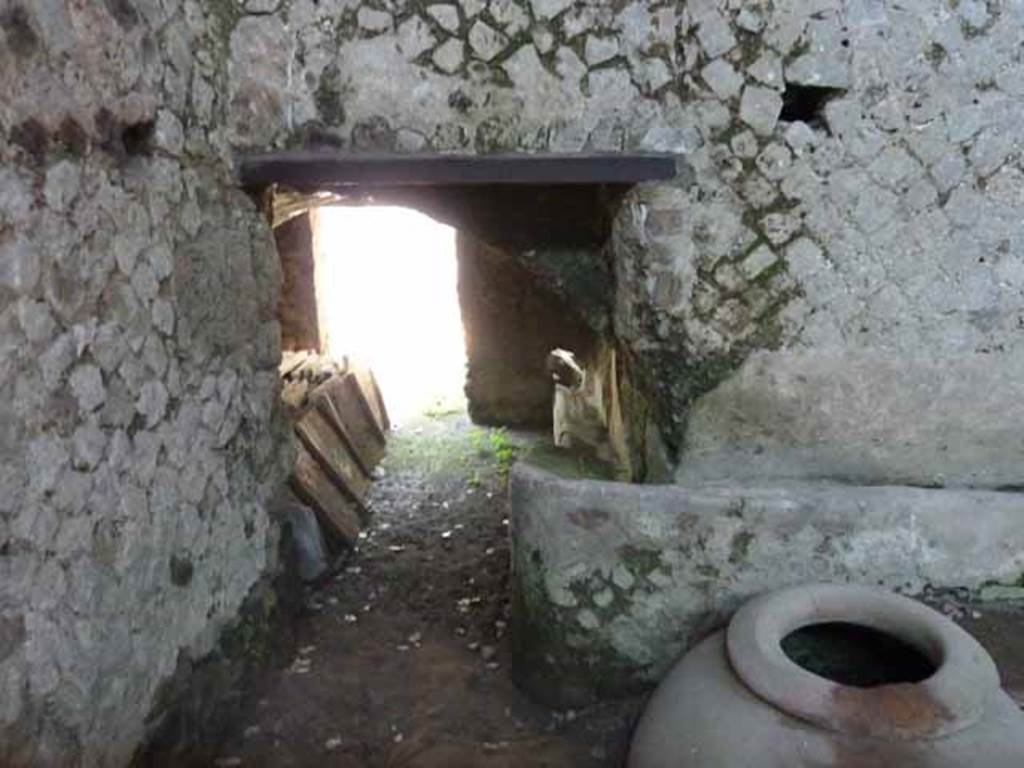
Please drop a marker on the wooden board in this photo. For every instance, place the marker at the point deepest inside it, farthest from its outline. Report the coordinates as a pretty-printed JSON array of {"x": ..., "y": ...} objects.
[
  {"x": 365, "y": 437},
  {"x": 319, "y": 169},
  {"x": 371, "y": 393},
  {"x": 336, "y": 512},
  {"x": 331, "y": 449}
]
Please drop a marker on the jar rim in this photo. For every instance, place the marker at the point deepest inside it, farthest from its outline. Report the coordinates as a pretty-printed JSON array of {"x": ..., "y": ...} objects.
[{"x": 951, "y": 699}]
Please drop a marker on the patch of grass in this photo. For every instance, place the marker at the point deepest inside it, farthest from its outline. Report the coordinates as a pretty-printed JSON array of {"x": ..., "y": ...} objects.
[
  {"x": 443, "y": 444},
  {"x": 504, "y": 450}
]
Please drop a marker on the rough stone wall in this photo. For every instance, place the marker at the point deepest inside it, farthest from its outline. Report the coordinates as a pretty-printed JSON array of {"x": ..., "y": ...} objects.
[
  {"x": 884, "y": 221},
  {"x": 137, "y": 288},
  {"x": 138, "y": 349},
  {"x": 512, "y": 322}
]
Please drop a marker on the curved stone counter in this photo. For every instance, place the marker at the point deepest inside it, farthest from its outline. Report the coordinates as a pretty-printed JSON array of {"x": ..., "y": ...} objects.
[{"x": 612, "y": 581}]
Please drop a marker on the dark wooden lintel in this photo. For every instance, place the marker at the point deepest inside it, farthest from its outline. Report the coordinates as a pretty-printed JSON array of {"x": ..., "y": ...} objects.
[{"x": 313, "y": 170}]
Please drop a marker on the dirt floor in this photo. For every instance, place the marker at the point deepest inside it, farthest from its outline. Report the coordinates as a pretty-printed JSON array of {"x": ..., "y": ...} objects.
[{"x": 403, "y": 656}]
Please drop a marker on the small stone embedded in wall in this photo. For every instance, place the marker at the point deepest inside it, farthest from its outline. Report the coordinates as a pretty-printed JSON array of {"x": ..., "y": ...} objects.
[
  {"x": 750, "y": 20},
  {"x": 800, "y": 137},
  {"x": 472, "y": 8},
  {"x": 449, "y": 56},
  {"x": 36, "y": 320},
  {"x": 774, "y": 161},
  {"x": 720, "y": 76},
  {"x": 414, "y": 37},
  {"x": 893, "y": 165},
  {"x": 588, "y": 619},
  {"x": 780, "y": 227},
  {"x": 63, "y": 181},
  {"x": 152, "y": 402},
  {"x": 168, "y": 133},
  {"x": 163, "y": 316},
  {"x": 546, "y": 9},
  {"x": 714, "y": 33},
  {"x": 373, "y": 20},
  {"x": 485, "y": 41},
  {"x": 759, "y": 260},
  {"x": 732, "y": 315},
  {"x": 744, "y": 144},
  {"x": 160, "y": 261},
  {"x": 760, "y": 108},
  {"x": 768, "y": 70},
  {"x": 445, "y": 15},
  {"x": 654, "y": 74},
  {"x": 729, "y": 277},
  {"x": 509, "y": 15},
  {"x": 88, "y": 445},
  {"x": 19, "y": 264},
  {"x": 543, "y": 38},
  {"x": 87, "y": 386},
  {"x": 47, "y": 456},
  {"x": 600, "y": 49}
]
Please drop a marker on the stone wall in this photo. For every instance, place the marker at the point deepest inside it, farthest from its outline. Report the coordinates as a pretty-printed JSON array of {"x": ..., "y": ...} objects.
[
  {"x": 512, "y": 321},
  {"x": 138, "y": 348},
  {"x": 850, "y": 182}
]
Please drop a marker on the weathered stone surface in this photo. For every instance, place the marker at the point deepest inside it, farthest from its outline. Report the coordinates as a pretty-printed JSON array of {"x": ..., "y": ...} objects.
[
  {"x": 101, "y": 214},
  {"x": 861, "y": 417},
  {"x": 760, "y": 108},
  {"x": 678, "y": 561},
  {"x": 893, "y": 209},
  {"x": 448, "y": 57}
]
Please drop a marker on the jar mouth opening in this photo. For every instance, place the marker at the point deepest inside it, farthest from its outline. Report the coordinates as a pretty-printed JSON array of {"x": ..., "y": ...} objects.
[
  {"x": 858, "y": 655},
  {"x": 940, "y": 684}
]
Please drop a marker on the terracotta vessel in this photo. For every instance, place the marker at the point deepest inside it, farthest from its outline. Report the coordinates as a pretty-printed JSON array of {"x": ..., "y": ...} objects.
[{"x": 897, "y": 684}]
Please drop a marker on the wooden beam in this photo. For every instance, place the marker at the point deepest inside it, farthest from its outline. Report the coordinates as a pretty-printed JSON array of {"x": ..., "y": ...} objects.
[{"x": 312, "y": 170}]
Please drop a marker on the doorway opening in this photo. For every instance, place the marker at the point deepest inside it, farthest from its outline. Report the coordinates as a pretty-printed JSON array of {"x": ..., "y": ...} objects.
[
  {"x": 478, "y": 292},
  {"x": 387, "y": 276}
]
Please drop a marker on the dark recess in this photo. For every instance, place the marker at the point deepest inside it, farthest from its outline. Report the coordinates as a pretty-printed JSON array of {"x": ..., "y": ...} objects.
[
  {"x": 124, "y": 12},
  {"x": 137, "y": 138},
  {"x": 806, "y": 103},
  {"x": 856, "y": 655},
  {"x": 17, "y": 26}
]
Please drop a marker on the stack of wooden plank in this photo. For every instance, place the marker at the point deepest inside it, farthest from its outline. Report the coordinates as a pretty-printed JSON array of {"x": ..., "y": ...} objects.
[{"x": 342, "y": 427}]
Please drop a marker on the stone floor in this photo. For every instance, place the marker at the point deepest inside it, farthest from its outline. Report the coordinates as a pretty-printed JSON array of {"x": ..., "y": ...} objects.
[{"x": 403, "y": 658}]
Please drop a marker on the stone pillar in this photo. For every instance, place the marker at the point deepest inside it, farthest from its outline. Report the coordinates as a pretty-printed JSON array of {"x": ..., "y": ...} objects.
[{"x": 297, "y": 309}]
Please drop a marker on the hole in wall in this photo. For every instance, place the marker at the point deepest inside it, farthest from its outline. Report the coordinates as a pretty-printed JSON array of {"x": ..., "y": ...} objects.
[
  {"x": 806, "y": 103},
  {"x": 137, "y": 138},
  {"x": 856, "y": 655}
]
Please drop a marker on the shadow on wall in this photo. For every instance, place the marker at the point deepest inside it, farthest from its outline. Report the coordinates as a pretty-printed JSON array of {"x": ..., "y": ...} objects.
[{"x": 512, "y": 324}]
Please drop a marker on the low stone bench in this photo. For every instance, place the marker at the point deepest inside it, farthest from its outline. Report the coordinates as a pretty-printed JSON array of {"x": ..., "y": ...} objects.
[{"x": 613, "y": 581}]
